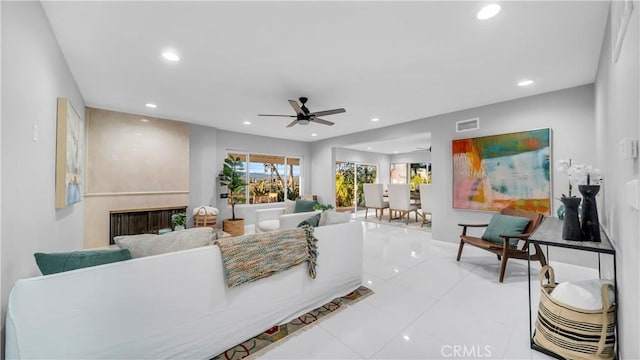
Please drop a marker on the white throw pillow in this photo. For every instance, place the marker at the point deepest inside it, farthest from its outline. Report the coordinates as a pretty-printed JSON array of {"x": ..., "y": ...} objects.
[
  {"x": 289, "y": 205},
  {"x": 333, "y": 217},
  {"x": 150, "y": 244},
  {"x": 586, "y": 295},
  {"x": 205, "y": 210}
]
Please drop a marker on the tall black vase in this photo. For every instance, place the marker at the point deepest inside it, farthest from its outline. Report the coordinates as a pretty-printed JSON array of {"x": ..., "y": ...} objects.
[
  {"x": 590, "y": 223},
  {"x": 571, "y": 227}
]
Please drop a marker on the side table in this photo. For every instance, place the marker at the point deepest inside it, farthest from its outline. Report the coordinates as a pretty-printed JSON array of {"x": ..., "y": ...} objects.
[{"x": 549, "y": 233}]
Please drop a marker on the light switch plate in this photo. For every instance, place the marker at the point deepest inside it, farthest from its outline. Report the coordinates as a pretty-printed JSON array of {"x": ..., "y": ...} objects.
[{"x": 629, "y": 148}]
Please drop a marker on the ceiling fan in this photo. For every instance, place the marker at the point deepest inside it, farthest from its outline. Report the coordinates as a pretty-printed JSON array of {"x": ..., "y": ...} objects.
[{"x": 304, "y": 116}]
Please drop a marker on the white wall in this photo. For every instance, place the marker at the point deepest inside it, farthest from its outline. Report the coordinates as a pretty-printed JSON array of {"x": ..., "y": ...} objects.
[
  {"x": 228, "y": 140},
  {"x": 203, "y": 165},
  {"x": 569, "y": 113},
  {"x": 34, "y": 75},
  {"x": 617, "y": 94},
  {"x": 412, "y": 157}
]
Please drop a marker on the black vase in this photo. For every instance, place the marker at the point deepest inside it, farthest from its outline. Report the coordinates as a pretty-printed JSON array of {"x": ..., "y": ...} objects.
[
  {"x": 571, "y": 227},
  {"x": 590, "y": 223}
]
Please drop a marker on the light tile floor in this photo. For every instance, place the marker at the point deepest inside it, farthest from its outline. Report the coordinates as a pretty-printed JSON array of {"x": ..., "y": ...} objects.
[{"x": 427, "y": 305}]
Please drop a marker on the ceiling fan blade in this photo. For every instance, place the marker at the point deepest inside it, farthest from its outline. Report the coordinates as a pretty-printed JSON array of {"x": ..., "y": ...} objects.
[
  {"x": 296, "y": 107},
  {"x": 328, "y": 112},
  {"x": 322, "y": 121},
  {"x": 293, "y": 123},
  {"x": 277, "y": 115}
]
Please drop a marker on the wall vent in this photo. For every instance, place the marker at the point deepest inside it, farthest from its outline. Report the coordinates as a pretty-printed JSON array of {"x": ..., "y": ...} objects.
[{"x": 468, "y": 125}]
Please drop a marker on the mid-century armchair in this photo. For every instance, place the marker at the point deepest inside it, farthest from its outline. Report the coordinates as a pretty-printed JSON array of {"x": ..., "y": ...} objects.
[{"x": 502, "y": 236}]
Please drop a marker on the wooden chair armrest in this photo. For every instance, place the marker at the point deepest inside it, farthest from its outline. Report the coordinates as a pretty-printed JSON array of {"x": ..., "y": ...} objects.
[
  {"x": 465, "y": 226},
  {"x": 474, "y": 225},
  {"x": 515, "y": 236}
]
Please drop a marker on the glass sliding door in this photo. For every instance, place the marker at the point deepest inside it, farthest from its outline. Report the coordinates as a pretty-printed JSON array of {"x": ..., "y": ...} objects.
[
  {"x": 349, "y": 180},
  {"x": 345, "y": 186},
  {"x": 365, "y": 174}
]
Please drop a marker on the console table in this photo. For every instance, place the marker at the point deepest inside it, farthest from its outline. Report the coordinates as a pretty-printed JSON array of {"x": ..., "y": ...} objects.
[{"x": 549, "y": 233}]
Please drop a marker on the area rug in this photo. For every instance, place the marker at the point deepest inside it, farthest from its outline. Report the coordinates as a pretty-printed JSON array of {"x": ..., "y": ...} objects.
[
  {"x": 397, "y": 222},
  {"x": 263, "y": 341}
]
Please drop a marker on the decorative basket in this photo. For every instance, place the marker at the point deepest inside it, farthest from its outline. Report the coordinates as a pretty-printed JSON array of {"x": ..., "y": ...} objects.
[
  {"x": 205, "y": 220},
  {"x": 571, "y": 332},
  {"x": 202, "y": 219}
]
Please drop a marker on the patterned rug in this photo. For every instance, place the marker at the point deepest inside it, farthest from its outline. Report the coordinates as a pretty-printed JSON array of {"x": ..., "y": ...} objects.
[{"x": 266, "y": 339}]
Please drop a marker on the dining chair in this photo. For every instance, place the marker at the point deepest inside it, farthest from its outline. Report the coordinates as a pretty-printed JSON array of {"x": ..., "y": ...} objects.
[
  {"x": 400, "y": 201},
  {"x": 425, "y": 203},
  {"x": 373, "y": 198}
]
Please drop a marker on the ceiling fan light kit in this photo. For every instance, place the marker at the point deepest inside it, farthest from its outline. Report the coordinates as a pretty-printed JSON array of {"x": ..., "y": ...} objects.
[{"x": 304, "y": 116}]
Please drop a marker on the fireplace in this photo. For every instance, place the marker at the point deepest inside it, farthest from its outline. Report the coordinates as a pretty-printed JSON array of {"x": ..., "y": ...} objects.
[{"x": 141, "y": 221}]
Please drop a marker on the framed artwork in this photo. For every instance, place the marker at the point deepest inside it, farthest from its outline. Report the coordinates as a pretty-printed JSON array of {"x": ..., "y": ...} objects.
[
  {"x": 69, "y": 155},
  {"x": 499, "y": 171},
  {"x": 420, "y": 173},
  {"x": 398, "y": 173}
]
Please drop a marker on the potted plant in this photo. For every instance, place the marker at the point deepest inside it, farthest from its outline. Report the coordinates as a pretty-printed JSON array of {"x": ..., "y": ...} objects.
[
  {"x": 232, "y": 176},
  {"x": 179, "y": 220},
  {"x": 322, "y": 207}
]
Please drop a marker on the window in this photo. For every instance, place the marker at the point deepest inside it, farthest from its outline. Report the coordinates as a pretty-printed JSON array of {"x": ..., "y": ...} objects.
[{"x": 270, "y": 178}]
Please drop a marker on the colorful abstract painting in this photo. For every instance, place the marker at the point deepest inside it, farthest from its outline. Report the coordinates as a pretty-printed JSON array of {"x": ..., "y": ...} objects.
[
  {"x": 69, "y": 155},
  {"x": 508, "y": 170}
]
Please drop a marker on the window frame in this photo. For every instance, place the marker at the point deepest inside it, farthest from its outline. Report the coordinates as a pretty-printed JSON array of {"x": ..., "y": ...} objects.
[{"x": 245, "y": 157}]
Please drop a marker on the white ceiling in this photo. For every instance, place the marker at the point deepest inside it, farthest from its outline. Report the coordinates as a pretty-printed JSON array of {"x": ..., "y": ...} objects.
[{"x": 396, "y": 61}]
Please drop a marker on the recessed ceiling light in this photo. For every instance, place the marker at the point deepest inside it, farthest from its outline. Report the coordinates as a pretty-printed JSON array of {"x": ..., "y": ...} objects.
[
  {"x": 314, "y": 134},
  {"x": 488, "y": 12},
  {"x": 395, "y": 151},
  {"x": 144, "y": 120},
  {"x": 171, "y": 56},
  {"x": 406, "y": 337},
  {"x": 247, "y": 122},
  {"x": 369, "y": 148},
  {"x": 375, "y": 119},
  {"x": 150, "y": 105},
  {"x": 525, "y": 83}
]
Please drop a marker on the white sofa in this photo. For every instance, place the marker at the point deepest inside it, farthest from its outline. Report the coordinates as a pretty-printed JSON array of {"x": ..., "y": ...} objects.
[
  {"x": 275, "y": 219},
  {"x": 173, "y": 305}
]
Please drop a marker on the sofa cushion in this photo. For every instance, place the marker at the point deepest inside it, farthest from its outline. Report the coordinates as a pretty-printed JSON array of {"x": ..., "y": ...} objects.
[
  {"x": 268, "y": 225},
  {"x": 334, "y": 217},
  {"x": 289, "y": 205},
  {"x": 504, "y": 225},
  {"x": 150, "y": 244},
  {"x": 304, "y": 206},
  {"x": 51, "y": 263},
  {"x": 312, "y": 220}
]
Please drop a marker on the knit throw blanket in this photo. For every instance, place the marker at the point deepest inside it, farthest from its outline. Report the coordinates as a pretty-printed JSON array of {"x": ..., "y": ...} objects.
[{"x": 251, "y": 257}]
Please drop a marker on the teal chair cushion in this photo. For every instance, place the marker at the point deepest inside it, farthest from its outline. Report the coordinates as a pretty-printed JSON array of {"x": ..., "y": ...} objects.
[
  {"x": 505, "y": 225},
  {"x": 51, "y": 263}
]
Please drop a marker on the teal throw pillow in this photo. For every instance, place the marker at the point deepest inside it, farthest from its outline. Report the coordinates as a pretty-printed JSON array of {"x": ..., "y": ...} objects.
[
  {"x": 505, "y": 225},
  {"x": 313, "y": 220},
  {"x": 52, "y": 263},
  {"x": 304, "y": 206}
]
